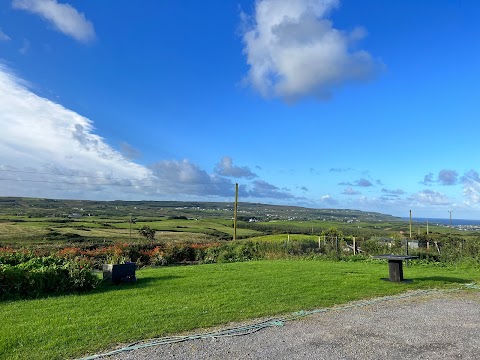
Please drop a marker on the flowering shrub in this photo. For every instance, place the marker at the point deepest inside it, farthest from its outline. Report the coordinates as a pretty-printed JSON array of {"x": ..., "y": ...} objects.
[
  {"x": 156, "y": 256},
  {"x": 159, "y": 254},
  {"x": 14, "y": 256}
]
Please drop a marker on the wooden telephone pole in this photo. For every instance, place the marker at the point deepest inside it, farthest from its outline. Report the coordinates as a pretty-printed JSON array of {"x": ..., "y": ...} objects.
[{"x": 235, "y": 213}]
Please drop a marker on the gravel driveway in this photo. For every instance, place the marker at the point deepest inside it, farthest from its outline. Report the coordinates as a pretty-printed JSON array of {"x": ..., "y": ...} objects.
[{"x": 438, "y": 326}]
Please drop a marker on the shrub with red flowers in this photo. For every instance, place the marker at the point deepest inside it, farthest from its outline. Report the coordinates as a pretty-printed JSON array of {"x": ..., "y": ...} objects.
[{"x": 156, "y": 256}]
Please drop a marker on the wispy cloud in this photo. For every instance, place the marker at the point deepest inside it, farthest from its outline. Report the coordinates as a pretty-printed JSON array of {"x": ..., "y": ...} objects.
[
  {"x": 328, "y": 200},
  {"x": 339, "y": 169},
  {"x": 350, "y": 191},
  {"x": 3, "y": 36},
  {"x": 428, "y": 180},
  {"x": 294, "y": 51},
  {"x": 226, "y": 168},
  {"x": 393, "y": 193},
  {"x": 187, "y": 178},
  {"x": 47, "y": 150},
  {"x": 25, "y": 47},
  {"x": 64, "y": 17},
  {"x": 471, "y": 187},
  {"x": 129, "y": 151},
  {"x": 430, "y": 197},
  {"x": 447, "y": 177},
  {"x": 360, "y": 182},
  {"x": 263, "y": 189},
  {"x": 40, "y": 136},
  {"x": 363, "y": 183}
]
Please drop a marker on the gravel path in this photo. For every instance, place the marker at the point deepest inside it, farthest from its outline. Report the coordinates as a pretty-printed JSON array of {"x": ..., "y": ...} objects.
[{"x": 440, "y": 326}]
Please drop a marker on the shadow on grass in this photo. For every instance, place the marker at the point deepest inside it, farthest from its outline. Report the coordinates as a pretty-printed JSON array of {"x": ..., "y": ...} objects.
[
  {"x": 103, "y": 287},
  {"x": 142, "y": 282},
  {"x": 444, "y": 279}
]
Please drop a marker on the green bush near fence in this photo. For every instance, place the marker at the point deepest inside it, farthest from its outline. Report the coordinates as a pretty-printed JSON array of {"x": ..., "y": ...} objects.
[{"x": 45, "y": 276}]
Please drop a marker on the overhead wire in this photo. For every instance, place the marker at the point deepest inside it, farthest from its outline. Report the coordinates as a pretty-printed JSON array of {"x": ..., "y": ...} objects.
[{"x": 138, "y": 182}]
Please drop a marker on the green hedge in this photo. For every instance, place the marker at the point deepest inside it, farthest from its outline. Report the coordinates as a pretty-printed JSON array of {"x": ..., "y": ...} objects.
[{"x": 45, "y": 275}]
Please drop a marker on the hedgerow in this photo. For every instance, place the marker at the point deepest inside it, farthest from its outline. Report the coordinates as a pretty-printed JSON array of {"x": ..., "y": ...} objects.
[{"x": 45, "y": 276}]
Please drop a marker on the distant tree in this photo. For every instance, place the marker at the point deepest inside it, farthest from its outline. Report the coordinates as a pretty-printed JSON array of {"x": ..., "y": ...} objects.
[
  {"x": 147, "y": 232},
  {"x": 332, "y": 233}
]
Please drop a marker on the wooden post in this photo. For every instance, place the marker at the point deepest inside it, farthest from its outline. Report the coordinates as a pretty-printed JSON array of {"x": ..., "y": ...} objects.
[
  {"x": 319, "y": 245},
  {"x": 235, "y": 213},
  {"x": 410, "y": 224},
  {"x": 130, "y": 227},
  {"x": 336, "y": 247},
  {"x": 354, "y": 246}
]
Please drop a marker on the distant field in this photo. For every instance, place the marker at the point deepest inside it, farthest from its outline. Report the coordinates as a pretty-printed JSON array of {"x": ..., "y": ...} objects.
[
  {"x": 24, "y": 231},
  {"x": 172, "y": 300},
  {"x": 284, "y": 237}
]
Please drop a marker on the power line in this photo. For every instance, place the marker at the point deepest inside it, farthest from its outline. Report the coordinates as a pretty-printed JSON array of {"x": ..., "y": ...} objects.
[
  {"x": 154, "y": 180},
  {"x": 57, "y": 174},
  {"x": 161, "y": 183}
]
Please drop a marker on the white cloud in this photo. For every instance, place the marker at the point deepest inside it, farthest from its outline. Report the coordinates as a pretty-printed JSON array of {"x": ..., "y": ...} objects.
[
  {"x": 226, "y": 168},
  {"x": 263, "y": 189},
  {"x": 471, "y": 187},
  {"x": 294, "y": 51},
  {"x": 428, "y": 180},
  {"x": 393, "y": 193},
  {"x": 447, "y": 177},
  {"x": 3, "y": 36},
  {"x": 350, "y": 191},
  {"x": 129, "y": 151},
  {"x": 40, "y": 137},
  {"x": 186, "y": 178},
  {"x": 430, "y": 197},
  {"x": 327, "y": 199},
  {"x": 63, "y": 17},
  {"x": 49, "y": 151}
]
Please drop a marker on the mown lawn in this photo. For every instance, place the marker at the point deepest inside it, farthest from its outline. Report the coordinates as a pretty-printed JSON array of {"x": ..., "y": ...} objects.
[{"x": 172, "y": 300}]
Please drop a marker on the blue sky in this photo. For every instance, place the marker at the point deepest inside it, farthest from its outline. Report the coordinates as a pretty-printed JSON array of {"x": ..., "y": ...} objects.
[{"x": 369, "y": 105}]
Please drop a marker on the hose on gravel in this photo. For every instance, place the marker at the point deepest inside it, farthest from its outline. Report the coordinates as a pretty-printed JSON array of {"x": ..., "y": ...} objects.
[{"x": 280, "y": 321}]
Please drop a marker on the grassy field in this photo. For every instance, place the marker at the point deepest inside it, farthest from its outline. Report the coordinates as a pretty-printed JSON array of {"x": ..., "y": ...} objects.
[
  {"x": 173, "y": 300},
  {"x": 46, "y": 231},
  {"x": 284, "y": 237}
]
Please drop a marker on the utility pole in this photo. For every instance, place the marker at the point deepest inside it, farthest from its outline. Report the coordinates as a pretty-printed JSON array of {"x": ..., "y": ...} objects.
[
  {"x": 450, "y": 222},
  {"x": 410, "y": 224},
  {"x": 130, "y": 228},
  {"x": 406, "y": 246},
  {"x": 428, "y": 241},
  {"x": 235, "y": 213}
]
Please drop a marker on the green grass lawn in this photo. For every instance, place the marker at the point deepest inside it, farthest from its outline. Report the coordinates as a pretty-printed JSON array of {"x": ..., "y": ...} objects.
[{"x": 172, "y": 300}]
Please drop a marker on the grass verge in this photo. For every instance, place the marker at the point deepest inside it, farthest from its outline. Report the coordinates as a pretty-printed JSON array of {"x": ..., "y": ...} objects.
[{"x": 178, "y": 299}]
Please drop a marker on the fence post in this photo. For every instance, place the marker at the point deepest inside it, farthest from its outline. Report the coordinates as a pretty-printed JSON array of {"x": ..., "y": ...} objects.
[{"x": 336, "y": 247}]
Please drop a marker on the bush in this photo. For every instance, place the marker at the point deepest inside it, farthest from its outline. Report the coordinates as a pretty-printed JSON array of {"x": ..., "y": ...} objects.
[
  {"x": 14, "y": 257},
  {"x": 44, "y": 276}
]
